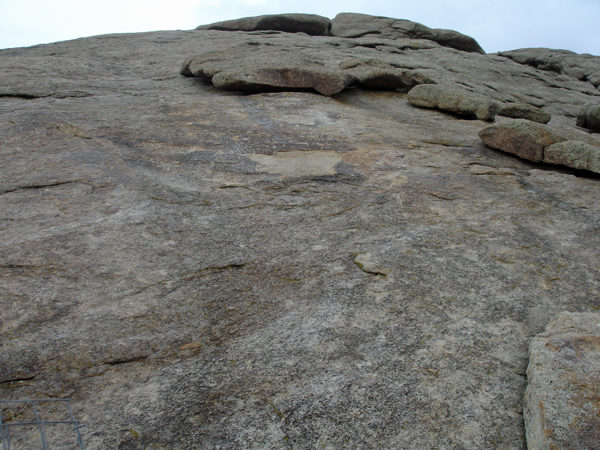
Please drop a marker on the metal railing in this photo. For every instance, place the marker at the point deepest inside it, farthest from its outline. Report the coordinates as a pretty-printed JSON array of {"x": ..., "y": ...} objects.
[{"x": 42, "y": 425}]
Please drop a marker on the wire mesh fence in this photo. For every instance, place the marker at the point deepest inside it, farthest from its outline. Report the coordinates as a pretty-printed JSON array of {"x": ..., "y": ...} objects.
[{"x": 39, "y": 424}]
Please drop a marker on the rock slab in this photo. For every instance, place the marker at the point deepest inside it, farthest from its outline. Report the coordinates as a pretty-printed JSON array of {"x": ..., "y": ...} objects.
[
  {"x": 542, "y": 143},
  {"x": 311, "y": 24},
  {"x": 267, "y": 67},
  {"x": 206, "y": 268},
  {"x": 562, "y": 399},
  {"x": 454, "y": 100}
]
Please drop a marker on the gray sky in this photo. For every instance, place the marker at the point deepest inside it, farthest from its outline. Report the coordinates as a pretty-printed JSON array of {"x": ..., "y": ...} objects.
[{"x": 496, "y": 24}]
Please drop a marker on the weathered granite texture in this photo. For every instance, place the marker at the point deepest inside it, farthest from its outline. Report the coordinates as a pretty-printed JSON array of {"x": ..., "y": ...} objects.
[
  {"x": 291, "y": 23},
  {"x": 583, "y": 67},
  {"x": 562, "y": 400},
  {"x": 202, "y": 268},
  {"x": 454, "y": 100},
  {"x": 524, "y": 111},
  {"x": 275, "y": 66},
  {"x": 543, "y": 143},
  {"x": 349, "y": 25},
  {"x": 589, "y": 116}
]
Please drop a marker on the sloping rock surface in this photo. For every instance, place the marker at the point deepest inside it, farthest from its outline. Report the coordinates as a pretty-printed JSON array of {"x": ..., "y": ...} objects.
[
  {"x": 562, "y": 400},
  {"x": 203, "y": 268}
]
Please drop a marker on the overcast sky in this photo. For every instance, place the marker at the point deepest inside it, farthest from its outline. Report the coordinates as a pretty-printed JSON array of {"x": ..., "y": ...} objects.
[{"x": 496, "y": 24}]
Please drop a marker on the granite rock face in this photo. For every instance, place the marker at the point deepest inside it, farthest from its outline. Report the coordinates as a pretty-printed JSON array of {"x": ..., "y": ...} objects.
[
  {"x": 583, "y": 67},
  {"x": 207, "y": 268},
  {"x": 454, "y": 100},
  {"x": 576, "y": 154},
  {"x": 542, "y": 143},
  {"x": 352, "y": 25},
  {"x": 290, "y": 23},
  {"x": 562, "y": 400},
  {"x": 349, "y": 25},
  {"x": 589, "y": 117},
  {"x": 521, "y": 137},
  {"x": 524, "y": 111},
  {"x": 264, "y": 67}
]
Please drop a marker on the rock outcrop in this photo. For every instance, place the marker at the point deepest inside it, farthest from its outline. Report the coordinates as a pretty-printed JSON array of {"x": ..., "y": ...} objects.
[
  {"x": 542, "y": 143},
  {"x": 524, "y": 111},
  {"x": 589, "y": 117},
  {"x": 233, "y": 260},
  {"x": 349, "y": 25},
  {"x": 454, "y": 100},
  {"x": 562, "y": 400},
  {"x": 264, "y": 67},
  {"x": 523, "y": 138},
  {"x": 290, "y": 23},
  {"x": 583, "y": 67}
]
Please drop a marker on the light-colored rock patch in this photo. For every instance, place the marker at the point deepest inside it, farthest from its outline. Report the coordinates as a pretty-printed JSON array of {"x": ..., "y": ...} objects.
[{"x": 298, "y": 163}]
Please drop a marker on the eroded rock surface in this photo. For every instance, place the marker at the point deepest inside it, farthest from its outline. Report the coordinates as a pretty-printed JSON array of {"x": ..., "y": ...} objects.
[
  {"x": 523, "y": 138},
  {"x": 454, "y": 100},
  {"x": 208, "y": 268},
  {"x": 589, "y": 117},
  {"x": 542, "y": 143},
  {"x": 562, "y": 400},
  {"x": 583, "y": 67},
  {"x": 263, "y": 66},
  {"x": 290, "y": 23},
  {"x": 524, "y": 111}
]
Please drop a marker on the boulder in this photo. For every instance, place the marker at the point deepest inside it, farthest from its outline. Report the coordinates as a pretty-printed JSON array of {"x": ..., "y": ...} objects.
[
  {"x": 255, "y": 68},
  {"x": 286, "y": 78},
  {"x": 575, "y": 154},
  {"x": 594, "y": 78},
  {"x": 562, "y": 399},
  {"x": 521, "y": 137},
  {"x": 456, "y": 40},
  {"x": 373, "y": 73},
  {"x": 413, "y": 30},
  {"x": 352, "y": 25},
  {"x": 453, "y": 99},
  {"x": 589, "y": 116},
  {"x": 524, "y": 111},
  {"x": 291, "y": 23}
]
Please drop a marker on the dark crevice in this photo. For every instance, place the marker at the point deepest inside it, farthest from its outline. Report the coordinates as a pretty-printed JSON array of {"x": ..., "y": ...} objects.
[
  {"x": 16, "y": 380},
  {"x": 217, "y": 269},
  {"x": 41, "y": 186},
  {"x": 17, "y": 266},
  {"x": 118, "y": 362},
  {"x": 23, "y": 95}
]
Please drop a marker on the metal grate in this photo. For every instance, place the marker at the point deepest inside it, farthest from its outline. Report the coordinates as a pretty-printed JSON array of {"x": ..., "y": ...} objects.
[{"x": 35, "y": 431}]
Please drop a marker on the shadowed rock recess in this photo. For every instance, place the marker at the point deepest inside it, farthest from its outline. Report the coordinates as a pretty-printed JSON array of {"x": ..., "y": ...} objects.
[{"x": 333, "y": 234}]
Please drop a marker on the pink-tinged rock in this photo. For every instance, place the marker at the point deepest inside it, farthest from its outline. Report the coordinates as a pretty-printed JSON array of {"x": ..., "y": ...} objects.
[
  {"x": 523, "y": 138},
  {"x": 562, "y": 400}
]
